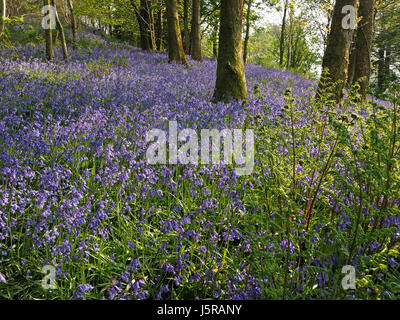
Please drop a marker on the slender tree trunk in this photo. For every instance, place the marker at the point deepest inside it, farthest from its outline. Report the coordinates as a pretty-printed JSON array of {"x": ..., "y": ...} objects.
[
  {"x": 215, "y": 49},
  {"x": 215, "y": 40},
  {"x": 246, "y": 38},
  {"x": 2, "y": 16},
  {"x": 381, "y": 69},
  {"x": 186, "y": 37},
  {"x": 365, "y": 35},
  {"x": 388, "y": 62},
  {"x": 61, "y": 31},
  {"x": 152, "y": 26},
  {"x": 196, "y": 31},
  {"x": 352, "y": 64},
  {"x": 336, "y": 57},
  {"x": 282, "y": 39},
  {"x": 145, "y": 16},
  {"x": 290, "y": 40},
  {"x": 49, "y": 38},
  {"x": 159, "y": 29},
  {"x": 231, "y": 81},
  {"x": 145, "y": 22},
  {"x": 73, "y": 23},
  {"x": 175, "y": 46}
]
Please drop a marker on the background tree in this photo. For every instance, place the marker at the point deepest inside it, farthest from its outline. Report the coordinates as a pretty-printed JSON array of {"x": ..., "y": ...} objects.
[
  {"x": 61, "y": 31},
  {"x": 386, "y": 52},
  {"x": 49, "y": 37},
  {"x": 73, "y": 23},
  {"x": 186, "y": 37},
  {"x": 196, "y": 31},
  {"x": 175, "y": 47},
  {"x": 282, "y": 38},
  {"x": 336, "y": 56},
  {"x": 2, "y": 16},
  {"x": 363, "y": 45},
  {"x": 247, "y": 36},
  {"x": 231, "y": 81}
]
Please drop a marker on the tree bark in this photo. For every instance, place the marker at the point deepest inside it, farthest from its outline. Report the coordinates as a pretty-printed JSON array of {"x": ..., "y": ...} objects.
[
  {"x": 2, "y": 16},
  {"x": 144, "y": 16},
  {"x": 159, "y": 29},
  {"x": 231, "y": 81},
  {"x": 73, "y": 23},
  {"x": 61, "y": 31},
  {"x": 145, "y": 13},
  {"x": 175, "y": 46},
  {"x": 246, "y": 38},
  {"x": 352, "y": 64},
  {"x": 290, "y": 40},
  {"x": 381, "y": 69},
  {"x": 282, "y": 39},
  {"x": 186, "y": 37},
  {"x": 49, "y": 37},
  {"x": 214, "y": 37},
  {"x": 365, "y": 35},
  {"x": 196, "y": 31},
  {"x": 336, "y": 56},
  {"x": 388, "y": 62}
]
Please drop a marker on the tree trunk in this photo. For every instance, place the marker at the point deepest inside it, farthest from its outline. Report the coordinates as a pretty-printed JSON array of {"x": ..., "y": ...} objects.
[
  {"x": 2, "y": 16},
  {"x": 145, "y": 14},
  {"x": 282, "y": 39},
  {"x": 61, "y": 31},
  {"x": 196, "y": 31},
  {"x": 159, "y": 29},
  {"x": 231, "y": 81},
  {"x": 73, "y": 23},
  {"x": 336, "y": 57},
  {"x": 352, "y": 65},
  {"x": 388, "y": 62},
  {"x": 246, "y": 38},
  {"x": 145, "y": 21},
  {"x": 215, "y": 49},
  {"x": 186, "y": 37},
  {"x": 175, "y": 47},
  {"x": 214, "y": 37},
  {"x": 290, "y": 40},
  {"x": 365, "y": 34},
  {"x": 381, "y": 69},
  {"x": 49, "y": 37}
]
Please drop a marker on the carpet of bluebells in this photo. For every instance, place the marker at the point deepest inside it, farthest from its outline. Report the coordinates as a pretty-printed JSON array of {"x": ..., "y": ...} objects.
[{"x": 76, "y": 191}]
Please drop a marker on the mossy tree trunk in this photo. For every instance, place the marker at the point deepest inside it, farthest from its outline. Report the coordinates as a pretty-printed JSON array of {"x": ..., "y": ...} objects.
[
  {"x": 336, "y": 56},
  {"x": 175, "y": 46},
  {"x": 363, "y": 48},
  {"x": 49, "y": 37},
  {"x": 196, "y": 31},
  {"x": 2, "y": 16},
  {"x": 231, "y": 81}
]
